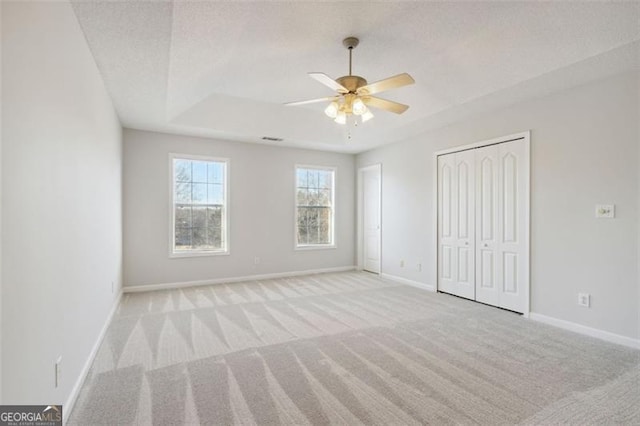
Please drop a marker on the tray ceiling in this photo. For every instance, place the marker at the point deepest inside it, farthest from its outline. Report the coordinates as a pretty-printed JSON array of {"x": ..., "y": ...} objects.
[{"x": 224, "y": 69}]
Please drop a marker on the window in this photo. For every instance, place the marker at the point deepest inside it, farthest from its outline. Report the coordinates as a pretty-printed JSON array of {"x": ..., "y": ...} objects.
[
  {"x": 315, "y": 187},
  {"x": 199, "y": 205}
]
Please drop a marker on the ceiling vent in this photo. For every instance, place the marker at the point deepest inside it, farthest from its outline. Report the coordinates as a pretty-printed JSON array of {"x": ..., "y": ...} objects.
[{"x": 271, "y": 139}]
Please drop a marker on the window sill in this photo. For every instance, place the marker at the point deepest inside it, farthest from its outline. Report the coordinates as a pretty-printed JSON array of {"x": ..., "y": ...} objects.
[
  {"x": 180, "y": 255},
  {"x": 316, "y": 247}
]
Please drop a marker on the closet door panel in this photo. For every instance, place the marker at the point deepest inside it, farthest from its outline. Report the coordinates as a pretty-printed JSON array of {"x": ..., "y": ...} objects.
[
  {"x": 447, "y": 224},
  {"x": 512, "y": 222},
  {"x": 465, "y": 242},
  {"x": 487, "y": 273},
  {"x": 456, "y": 224}
]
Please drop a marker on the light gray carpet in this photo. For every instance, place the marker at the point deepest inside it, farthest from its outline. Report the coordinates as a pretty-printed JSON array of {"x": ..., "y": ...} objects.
[{"x": 347, "y": 348}]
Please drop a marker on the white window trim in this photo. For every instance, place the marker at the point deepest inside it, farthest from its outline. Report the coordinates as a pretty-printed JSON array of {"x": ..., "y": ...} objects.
[
  {"x": 172, "y": 217},
  {"x": 304, "y": 247}
]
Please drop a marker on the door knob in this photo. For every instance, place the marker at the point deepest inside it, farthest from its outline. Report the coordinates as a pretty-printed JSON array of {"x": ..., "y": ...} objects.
[
  {"x": 466, "y": 243},
  {"x": 486, "y": 245}
]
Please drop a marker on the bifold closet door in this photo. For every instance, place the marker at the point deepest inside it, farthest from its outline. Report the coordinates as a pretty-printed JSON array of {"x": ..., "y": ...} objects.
[
  {"x": 456, "y": 224},
  {"x": 482, "y": 224},
  {"x": 501, "y": 257}
]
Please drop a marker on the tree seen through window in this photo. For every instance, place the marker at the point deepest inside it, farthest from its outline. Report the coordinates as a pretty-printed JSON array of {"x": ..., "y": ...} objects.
[
  {"x": 199, "y": 205},
  {"x": 314, "y": 206}
]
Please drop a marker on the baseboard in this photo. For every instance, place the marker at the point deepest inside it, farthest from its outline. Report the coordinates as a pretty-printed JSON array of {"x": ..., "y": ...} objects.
[
  {"x": 71, "y": 400},
  {"x": 588, "y": 331},
  {"x": 412, "y": 283},
  {"x": 168, "y": 286}
]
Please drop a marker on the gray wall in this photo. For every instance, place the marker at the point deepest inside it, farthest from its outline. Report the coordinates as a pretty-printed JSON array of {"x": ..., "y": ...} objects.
[
  {"x": 61, "y": 202},
  {"x": 584, "y": 147},
  {"x": 261, "y": 210}
]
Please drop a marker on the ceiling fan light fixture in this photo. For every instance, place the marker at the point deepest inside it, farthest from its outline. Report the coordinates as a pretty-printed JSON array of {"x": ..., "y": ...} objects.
[
  {"x": 358, "y": 107},
  {"x": 341, "y": 118},
  {"x": 367, "y": 116},
  {"x": 332, "y": 110}
]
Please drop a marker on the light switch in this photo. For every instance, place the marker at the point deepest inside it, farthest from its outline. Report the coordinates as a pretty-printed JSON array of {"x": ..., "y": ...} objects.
[{"x": 605, "y": 211}]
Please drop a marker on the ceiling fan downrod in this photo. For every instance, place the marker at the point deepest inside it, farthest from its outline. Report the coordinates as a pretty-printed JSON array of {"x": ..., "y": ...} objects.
[{"x": 350, "y": 43}]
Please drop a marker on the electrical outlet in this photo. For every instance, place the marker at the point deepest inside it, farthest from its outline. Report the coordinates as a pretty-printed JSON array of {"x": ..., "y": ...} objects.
[
  {"x": 584, "y": 299},
  {"x": 402, "y": 263},
  {"x": 419, "y": 266},
  {"x": 57, "y": 372}
]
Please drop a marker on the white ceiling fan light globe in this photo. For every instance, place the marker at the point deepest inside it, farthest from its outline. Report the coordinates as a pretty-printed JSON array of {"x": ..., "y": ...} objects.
[
  {"x": 332, "y": 110},
  {"x": 358, "y": 107},
  {"x": 341, "y": 118},
  {"x": 367, "y": 116}
]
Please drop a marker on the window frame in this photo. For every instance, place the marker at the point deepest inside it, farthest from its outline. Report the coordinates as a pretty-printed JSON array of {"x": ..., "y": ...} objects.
[
  {"x": 333, "y": 244},
  {"x": 172, "y": 214}
]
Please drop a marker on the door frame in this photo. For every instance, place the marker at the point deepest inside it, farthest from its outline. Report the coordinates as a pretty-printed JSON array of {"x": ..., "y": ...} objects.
[
  {"x": 526, "y": 139},
  {"x": 360, "y": 213}
]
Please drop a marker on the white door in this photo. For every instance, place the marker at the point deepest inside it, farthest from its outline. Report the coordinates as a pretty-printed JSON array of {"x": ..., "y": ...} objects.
[
  {"x": 487, "y": 165},
  {"x": 501, "y": 221},
  {"x": 456, "y": 224},
  {"x": 371, "y": 180},
  {"x": 513, "y": 205}
]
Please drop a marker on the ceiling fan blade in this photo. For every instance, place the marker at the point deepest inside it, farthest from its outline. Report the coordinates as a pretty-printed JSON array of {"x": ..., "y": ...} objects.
[
  {"x": 313, "y": 101},
  {"x": 399, "y": 80},
  {"x": 390, "y": 106},
  {"x": 328, "y": 81}
]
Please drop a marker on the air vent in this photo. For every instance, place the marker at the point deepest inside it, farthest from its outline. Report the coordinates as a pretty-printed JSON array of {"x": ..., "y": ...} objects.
[{"x": 271, "y": 139}]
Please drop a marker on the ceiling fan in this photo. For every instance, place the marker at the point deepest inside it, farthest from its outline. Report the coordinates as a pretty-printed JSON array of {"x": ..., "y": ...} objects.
[{"x": 354, "y": 94}]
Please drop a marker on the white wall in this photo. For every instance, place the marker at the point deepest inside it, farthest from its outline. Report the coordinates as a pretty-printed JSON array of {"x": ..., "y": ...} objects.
[
  {"x": 584, "y": 144},
  {"x": 1, "y": 203},
  {"x": 261, "y": 197},
  {"x": 638, "y": 170},
  {"x": 61, "y": 201}
]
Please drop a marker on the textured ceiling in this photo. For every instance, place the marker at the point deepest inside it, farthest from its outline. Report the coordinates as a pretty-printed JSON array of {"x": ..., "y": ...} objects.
[{"x": 224, "y": 69}]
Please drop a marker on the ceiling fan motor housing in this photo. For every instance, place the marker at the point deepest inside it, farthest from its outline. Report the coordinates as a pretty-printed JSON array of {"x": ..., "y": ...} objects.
[{"x": 352, "y": 82}]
